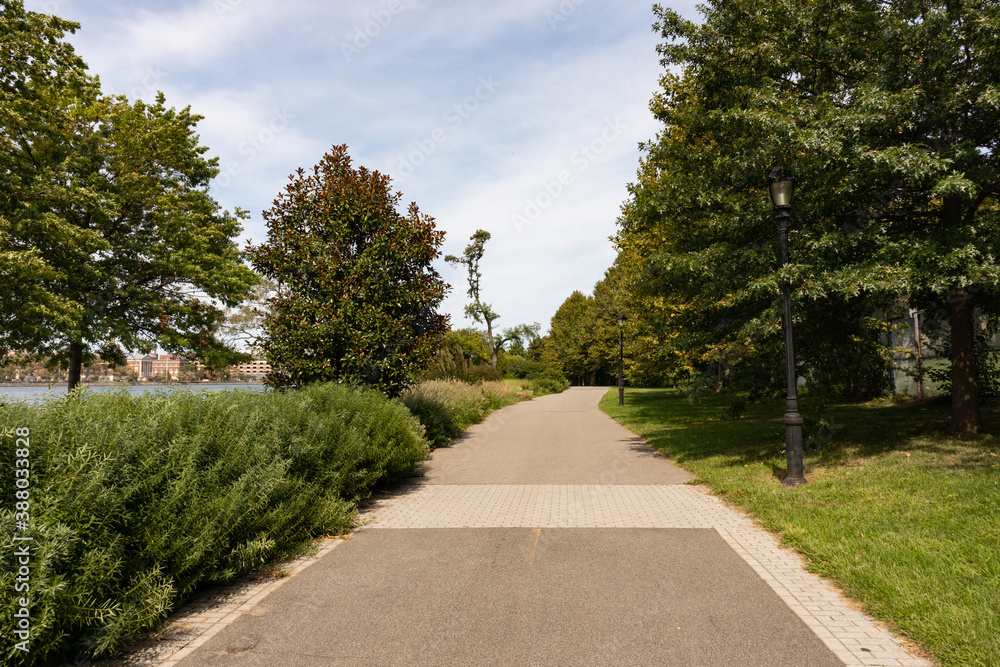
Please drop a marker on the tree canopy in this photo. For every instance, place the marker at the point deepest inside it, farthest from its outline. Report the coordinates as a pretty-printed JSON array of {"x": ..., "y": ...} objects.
[
  {"x": 109, "y": 238},
  {"x": 357, "y": 295},
  {"x": 887, "y": 112}
]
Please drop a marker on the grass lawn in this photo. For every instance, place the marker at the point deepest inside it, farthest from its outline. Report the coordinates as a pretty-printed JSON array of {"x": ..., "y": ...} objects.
[{"x": 905, "y": 519}]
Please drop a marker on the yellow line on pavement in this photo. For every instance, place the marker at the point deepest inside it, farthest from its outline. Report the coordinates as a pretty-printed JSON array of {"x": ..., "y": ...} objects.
[{"x": 527, "y": 584}]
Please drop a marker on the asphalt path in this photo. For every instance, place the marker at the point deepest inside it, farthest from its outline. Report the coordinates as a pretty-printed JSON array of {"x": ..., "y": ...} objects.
[{"x": 568, "y": 590}]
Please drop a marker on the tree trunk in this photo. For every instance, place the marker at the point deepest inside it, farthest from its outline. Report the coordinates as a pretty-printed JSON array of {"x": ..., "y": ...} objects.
[
  {"x": 75, "y": 364},
  {"x": 965, "y": 416},
  {"x": 493, "y": 349}
]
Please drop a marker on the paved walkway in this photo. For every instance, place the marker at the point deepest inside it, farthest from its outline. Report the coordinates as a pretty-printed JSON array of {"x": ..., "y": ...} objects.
[{"x": 548, "y": 535}]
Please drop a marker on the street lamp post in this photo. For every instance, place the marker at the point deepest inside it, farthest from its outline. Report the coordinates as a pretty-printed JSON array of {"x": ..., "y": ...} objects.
[
  {"x": 915, "y": 314},
  {"x": 621, "y": 347},
  {"x": 781, "y": 186}
]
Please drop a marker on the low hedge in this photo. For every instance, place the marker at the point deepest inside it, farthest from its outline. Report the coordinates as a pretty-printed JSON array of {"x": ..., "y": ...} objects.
[{"x": 135, "y": 502}]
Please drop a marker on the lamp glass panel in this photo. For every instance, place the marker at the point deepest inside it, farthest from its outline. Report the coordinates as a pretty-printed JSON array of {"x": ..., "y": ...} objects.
[{"x": 781, "y": 192}]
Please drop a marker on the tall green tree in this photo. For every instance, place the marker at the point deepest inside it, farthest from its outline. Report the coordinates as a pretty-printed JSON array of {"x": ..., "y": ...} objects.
[
  {"x": 470, "y": 343},
  {"x": 40, "y": 77},
  {"x": 583, "y": 334},
  {"x": 608, "y": 303},
  {"x": 888, "y": 114},
  {"x": 479, "y": 311},
  {"x": 106, "y": 202},
  {"x": 517, "y": 339},
  {"x": 357, "y": 295},
  {"x": 571, "y": 333}
]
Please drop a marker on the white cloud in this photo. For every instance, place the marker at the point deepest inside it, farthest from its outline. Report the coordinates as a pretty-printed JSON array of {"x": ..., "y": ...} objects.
[{"x": 279, "y": 83}]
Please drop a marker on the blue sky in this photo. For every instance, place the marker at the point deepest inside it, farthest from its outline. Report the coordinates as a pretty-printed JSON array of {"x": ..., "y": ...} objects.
[{"x": 522, "y": 118}]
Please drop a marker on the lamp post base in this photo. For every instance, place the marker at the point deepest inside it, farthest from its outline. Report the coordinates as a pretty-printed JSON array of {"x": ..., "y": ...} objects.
[{"x": 793, "y": 449}]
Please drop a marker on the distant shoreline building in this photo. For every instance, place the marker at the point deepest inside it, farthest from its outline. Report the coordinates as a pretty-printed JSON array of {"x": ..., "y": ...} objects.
[
  {"x": 142, "y": 366},
  {"x": 256, "y": 368},
  {"x": 169, "y": 365},
  {"x": 145, "y": 368},
  {"x": 152, "y": 365}
]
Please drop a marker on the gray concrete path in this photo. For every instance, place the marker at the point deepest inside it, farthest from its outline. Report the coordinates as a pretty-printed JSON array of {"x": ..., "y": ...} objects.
[
  {"x": 550, "y": 535},
  {"x": 559, "y": 439}
]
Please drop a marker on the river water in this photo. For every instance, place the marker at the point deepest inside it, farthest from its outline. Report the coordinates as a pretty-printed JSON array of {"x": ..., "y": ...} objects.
[{"x": 38, "y": 394}]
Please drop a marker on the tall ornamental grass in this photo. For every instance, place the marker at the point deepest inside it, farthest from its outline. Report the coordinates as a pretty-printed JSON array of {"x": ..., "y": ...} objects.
[
  {"x": 135, "y": 502},
  {"x": 447, "y": 407}
]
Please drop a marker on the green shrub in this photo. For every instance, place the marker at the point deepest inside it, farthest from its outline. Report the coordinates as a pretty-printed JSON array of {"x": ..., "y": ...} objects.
[
  {"x": 438, "y": 419},
  {"x": 523, "y": 369},
  {"x": 550, "y": 386},
  {"x": 533, "y": 370},
  {"x": 481, "y": 373},
  {"x": 137, "y": 501},
  {"x": 445, "y": 408}
]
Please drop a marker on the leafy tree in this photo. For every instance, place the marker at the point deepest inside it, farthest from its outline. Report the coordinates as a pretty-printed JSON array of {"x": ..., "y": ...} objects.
[
  {"x": 189, "y": 373},
  {"x": 650, "y": 359},
  {"x": 470, "y": 343},
  {"x": 243, "y": 327},
  {"x": 457, "y": 351},
  {"x": 162, "y": 376},
  {"x": 583, "y": 334},
  {"x": 477, "y": 310},
  {"x": 571, "y": 333},
  {"x": 888, "y": 114},
  {"x": 216, "y": 357},
  {"x": 357, "y": 295},
  {"x": 239, "y": 334},
  {"x": 608, "y": 303},
  {"x": 106, "y": 203},
  {"x": 40, "y": 77},
  {"x": 461, "y": 350},
  {"x": 543, "y": 350},
  {"x": 518, "y": 337}
]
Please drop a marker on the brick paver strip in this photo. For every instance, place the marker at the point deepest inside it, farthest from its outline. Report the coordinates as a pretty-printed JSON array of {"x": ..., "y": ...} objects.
[{"x": 851, "y": 635}]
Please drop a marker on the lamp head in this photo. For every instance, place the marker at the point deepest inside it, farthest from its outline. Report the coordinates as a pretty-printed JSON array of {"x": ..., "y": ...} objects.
[
  {"x": 781, "y": 186},
  {"x": 621, "y": 320}
]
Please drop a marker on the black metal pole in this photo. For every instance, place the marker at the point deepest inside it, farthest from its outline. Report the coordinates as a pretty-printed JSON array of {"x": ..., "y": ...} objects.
[
  {"x": 920, "y": 354},
  {"x": 621, "y": 376},
  {"x": 793, "y": 420}
]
